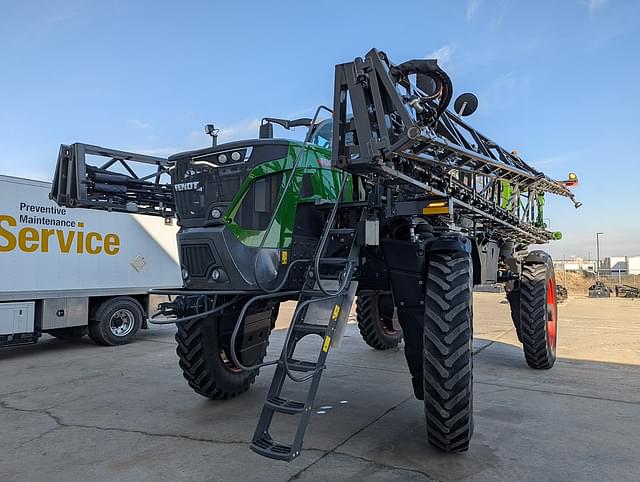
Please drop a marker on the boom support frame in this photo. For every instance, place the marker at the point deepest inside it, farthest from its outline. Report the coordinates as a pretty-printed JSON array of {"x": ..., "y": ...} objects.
[
  {"x": 143, "y": 188},
  {"x": 388, "y": 130}
]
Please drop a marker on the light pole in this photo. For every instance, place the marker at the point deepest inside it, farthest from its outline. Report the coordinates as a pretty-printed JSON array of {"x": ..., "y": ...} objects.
[{"x": 598, "y": 254}]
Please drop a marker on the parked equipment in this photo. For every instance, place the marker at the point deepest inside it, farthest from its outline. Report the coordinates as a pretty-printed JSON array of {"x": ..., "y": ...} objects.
[
  {"x": 627, "y": 291},
  {"x": 394, "y": 199},
  {"x": 599, "y": 290},
  {"x": 561, "y": 293},
  {"x": 72, "y": 272}
]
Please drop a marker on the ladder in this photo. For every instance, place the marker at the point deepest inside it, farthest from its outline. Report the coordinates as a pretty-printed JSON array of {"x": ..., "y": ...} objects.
[{"x": 329, "y": 299}]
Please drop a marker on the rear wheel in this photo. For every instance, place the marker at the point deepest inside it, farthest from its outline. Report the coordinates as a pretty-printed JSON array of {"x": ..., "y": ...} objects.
[
  {"x": 375, "y": 313},
  {"x": 448, "y": 364},
  {"x": 539, "y": 314},
  {"x": 116, "y": 321},
  {"x": 203, "y": 353}
]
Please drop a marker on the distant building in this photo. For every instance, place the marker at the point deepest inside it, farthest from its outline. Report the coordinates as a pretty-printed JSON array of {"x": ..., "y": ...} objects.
[
  {"x": 621, "y": 265},
  {"x": 575, "y": 264}
]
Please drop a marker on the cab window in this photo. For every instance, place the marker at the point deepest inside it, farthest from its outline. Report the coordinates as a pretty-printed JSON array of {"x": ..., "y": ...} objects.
[{"x": 258, "y": 203}]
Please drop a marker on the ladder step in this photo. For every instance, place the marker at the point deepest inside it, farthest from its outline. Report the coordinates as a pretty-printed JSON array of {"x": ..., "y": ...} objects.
[
  {"x": 342, "y": 231},
  {"x": 282, "y": 405},
  {"x": 334, "y": 260},
  {"x": 268, "y": 447},
  {"x": 308, "y": 328},
  {"x": 314, "y": 293},
  {"x": 300, "y": 366}
]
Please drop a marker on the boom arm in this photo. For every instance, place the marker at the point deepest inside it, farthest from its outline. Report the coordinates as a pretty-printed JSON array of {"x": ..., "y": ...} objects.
[
  {"x": 144, "y": 187},
  {"x": 405, "y": 137}
]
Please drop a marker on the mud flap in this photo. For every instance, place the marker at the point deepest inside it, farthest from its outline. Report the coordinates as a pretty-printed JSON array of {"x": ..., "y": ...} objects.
[{"x": 407, "y": 263}]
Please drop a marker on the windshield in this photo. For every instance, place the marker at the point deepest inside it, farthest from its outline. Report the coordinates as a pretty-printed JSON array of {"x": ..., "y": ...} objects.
[
  {"x": 199, "y": 188},
  {"x": 323, "y": 134}
]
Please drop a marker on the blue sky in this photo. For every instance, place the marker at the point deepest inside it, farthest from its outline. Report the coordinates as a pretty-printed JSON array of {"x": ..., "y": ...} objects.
[{"x": 557, "y": 80}]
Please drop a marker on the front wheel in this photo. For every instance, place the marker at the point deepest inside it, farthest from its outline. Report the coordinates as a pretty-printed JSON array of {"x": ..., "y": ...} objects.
[
  {"x": 448, "y": 346},
  {"x": 375, "y": 313},
  {"x": 203, "y": 352}
]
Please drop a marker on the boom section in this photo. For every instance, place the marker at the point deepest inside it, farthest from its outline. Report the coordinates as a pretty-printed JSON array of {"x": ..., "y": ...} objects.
[
  {"x": 391, "y": 125},
  {"x": 121, "y": 181}
]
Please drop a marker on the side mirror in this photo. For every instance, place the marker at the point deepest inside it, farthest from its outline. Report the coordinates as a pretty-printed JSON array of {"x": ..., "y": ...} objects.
[
  {"x": 266, "y": 131},
  {"x": 466, "y": 104},
  {"x": 302, "y": 122}
]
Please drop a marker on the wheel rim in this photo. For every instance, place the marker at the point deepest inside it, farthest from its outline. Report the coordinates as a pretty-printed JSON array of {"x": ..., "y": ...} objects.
[
  {"x": 552, "y": 314},
  {"x": 389, "y": 330},
  {"x": 386, "y": 321},
  {"x": 121, "y": 323},
  {"x": 228, "y": 363}
]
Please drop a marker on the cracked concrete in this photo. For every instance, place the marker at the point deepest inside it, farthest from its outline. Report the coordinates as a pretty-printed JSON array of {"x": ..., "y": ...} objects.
[{"x": 74, "y": 411}]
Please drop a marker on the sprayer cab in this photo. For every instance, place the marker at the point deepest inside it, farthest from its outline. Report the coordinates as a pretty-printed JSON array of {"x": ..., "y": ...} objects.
[{"x": 225, "y": 198}]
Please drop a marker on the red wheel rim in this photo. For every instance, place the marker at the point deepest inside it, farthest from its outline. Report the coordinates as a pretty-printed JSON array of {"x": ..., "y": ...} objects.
[
  {"x": 228, "y": 364},
  {"x": 388, "y": 330},
  {"x": 552, "y": 314}
]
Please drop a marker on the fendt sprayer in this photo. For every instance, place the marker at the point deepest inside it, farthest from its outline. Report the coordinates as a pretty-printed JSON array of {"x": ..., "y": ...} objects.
[{"x": 394, "y": 200}]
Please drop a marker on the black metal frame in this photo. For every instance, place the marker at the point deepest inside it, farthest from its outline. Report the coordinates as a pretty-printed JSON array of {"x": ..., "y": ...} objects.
[
  {"x": 78, "y": 184},
  {"x": 389, "y": 131}
]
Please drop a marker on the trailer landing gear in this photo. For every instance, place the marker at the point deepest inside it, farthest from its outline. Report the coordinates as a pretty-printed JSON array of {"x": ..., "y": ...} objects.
[{"x": 72, "y": 333}]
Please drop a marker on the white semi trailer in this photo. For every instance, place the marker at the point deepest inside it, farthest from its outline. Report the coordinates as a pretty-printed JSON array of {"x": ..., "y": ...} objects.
[{"x": 69, "y": 272}]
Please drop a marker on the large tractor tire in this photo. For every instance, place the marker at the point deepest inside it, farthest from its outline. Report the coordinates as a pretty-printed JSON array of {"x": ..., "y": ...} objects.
[
  {"x": 375, "y": 313},
  {"x": 538, "y": 313},
  {"x": 448, "y": 347},
  {"x": 205, "y": 361}
]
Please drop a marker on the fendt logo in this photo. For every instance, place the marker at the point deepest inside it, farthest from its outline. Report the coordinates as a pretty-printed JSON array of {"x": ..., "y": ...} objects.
[
  {"x": 187, "y": 186},
  {"x": 34, "y": 238}
]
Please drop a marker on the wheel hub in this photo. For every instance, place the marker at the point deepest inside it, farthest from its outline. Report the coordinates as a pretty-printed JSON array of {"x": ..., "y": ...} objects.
[{"x": 122, "y": 323}]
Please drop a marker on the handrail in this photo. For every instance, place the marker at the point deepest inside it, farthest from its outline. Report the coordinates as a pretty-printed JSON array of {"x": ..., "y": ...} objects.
[{"x": 296, "y": 163}]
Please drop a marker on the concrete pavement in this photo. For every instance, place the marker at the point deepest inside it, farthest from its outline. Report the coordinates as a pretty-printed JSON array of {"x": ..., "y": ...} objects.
[{"x": 71, "y": 411}]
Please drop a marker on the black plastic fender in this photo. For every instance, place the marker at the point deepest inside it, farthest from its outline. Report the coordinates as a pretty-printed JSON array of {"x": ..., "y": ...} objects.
[
  {"x": 538, "y": 256},
  {"x": 458, "y": 242},
  {"x": 450, "y": 242},
  {"x": 407, "y": 263}
]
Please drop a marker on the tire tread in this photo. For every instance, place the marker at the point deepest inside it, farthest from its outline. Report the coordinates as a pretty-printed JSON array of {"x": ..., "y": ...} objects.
[
  {"x": 533, "y": 320},
  {"x": 447, "y": 368}
]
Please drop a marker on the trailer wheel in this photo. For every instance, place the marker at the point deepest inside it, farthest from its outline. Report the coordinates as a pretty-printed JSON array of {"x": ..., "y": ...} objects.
[
  {"x": 375, "y": 315},
  {"x": 447, "y": 356},
  {"x": 206, "y": 364},
  {"x": 539, "y": 314},
  {"x": 116, "y": 321},
  {"x": 71, "y": 333}
]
